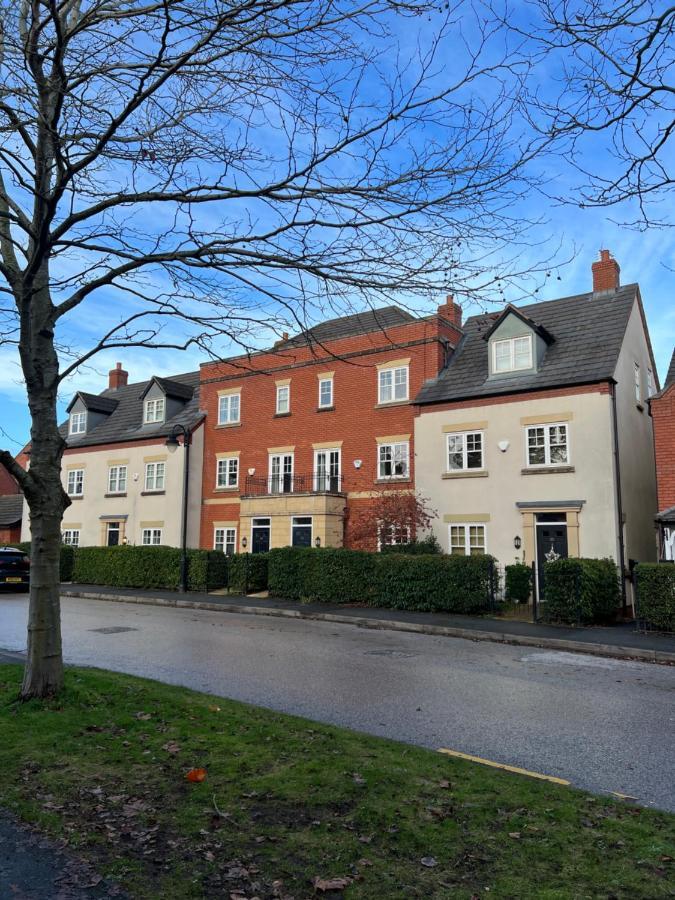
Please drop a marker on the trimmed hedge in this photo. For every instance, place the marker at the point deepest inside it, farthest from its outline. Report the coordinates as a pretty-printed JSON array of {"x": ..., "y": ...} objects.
[
  {"x": 247, "y": 572},
  {"x": 655, "y": 595},
  {"x": 149, "y": 567},
  {"x": 425, "y": 546},
  {"x": 428, "y": 583},
  {"x": 518, "y": 582},
  {"x": 580, "y": 591}
]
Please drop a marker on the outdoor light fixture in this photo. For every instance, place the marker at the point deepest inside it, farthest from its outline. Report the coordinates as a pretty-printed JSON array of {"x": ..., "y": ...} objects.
[
  {"x": 358, "y": 463},
  {"x": 517, "y": 543},
  {"x": 244, "y": 542},
  {"x": 317, "y": 541},
  {"x": 125, "y": 540}
]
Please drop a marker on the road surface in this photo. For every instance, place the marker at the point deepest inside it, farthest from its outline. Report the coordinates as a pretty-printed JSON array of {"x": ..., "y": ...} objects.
[{"x": 605, "y": 725}]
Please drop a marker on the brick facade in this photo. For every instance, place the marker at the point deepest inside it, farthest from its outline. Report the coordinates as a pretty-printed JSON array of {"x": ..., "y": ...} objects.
[
  {"x": 353, "y": 424},
  {"x": 663, "y": 416}
]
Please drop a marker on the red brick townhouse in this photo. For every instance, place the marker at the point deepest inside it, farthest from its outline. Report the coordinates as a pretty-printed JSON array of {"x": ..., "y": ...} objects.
[
  {"x": 299, "y": 437},
  {"x": 663, "y": 415},
  {"x": 11, "y": 506}
]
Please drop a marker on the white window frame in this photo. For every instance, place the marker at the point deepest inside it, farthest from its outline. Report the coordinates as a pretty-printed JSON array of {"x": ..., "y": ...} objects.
[
  {"x": 465, "y": 435},
  {"x": 392, "y": 373},
  {"x": 78, "y": 423},
  {"x": 154, "y": 537},
  {"x": 302, "y": 525},
  {"x": 118, "y": 470},
  {"x": 283, "y": 399},
  {"x": 70, "y": 537},
  {"x": 392, "y": 534},
  {"x": 280, "y": 475},
  {"x": 224, "y": 537},
  {"x": 547, "y": 445},
  {"x": 638, "y": 383},
  {"x": 154, "y": 410},
  {"x": 380, "y": 461},
  {"x": 323, "y": 381},
  {"x": 467, "y": 526},
  {"x": 77, "y": 482},
  {"x": 154, "y": 480},
  {"x": 223, "y": 465},
  {"x": 327, "y": 475},
  {"x": 225, "y": 404},
  {"x": 511, "y": 342}
]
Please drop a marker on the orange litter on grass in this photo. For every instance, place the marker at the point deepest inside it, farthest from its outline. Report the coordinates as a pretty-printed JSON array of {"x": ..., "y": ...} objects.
[{"x": 196, "y": 775}]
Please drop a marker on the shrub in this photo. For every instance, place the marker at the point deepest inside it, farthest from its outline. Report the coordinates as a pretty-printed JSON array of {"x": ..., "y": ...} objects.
[
  {"x": 580, "y": 591},
  {"x": 427, "y": 545},
  {"x": 518, "y": 583},
  {"x": 148, "y": 567},
  {"x": 247, "y": 572},
  {"x": 418, "y": 582},
  {"x": 655, "y": 595}
]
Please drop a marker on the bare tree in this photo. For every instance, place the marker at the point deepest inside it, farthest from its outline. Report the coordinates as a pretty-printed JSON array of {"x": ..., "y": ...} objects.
[
  {"x": 196, "y": 169},
  {"x": 609, "y": 70}
]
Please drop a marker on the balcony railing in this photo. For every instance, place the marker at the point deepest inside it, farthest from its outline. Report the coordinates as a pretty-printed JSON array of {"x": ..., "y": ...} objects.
[{"x": 312, "y": 483}]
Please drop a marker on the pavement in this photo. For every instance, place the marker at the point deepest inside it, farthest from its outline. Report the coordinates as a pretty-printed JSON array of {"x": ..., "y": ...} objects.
[
  {"x": 617, "y": 641},
  {"x": 606, "y": 725}
]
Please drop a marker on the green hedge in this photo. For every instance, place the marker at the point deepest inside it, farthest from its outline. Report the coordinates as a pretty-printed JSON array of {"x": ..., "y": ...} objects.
[
  {"x": 580, "y": 591},
  {"x": 655, "y": 595},
  {"x": 247, "y": 572},
  {"x": 149, "y": 567},
  {"x": 426, "y": 583},
  {"x": 518, "y": 582},
  {"x": 424, "y": 547}
]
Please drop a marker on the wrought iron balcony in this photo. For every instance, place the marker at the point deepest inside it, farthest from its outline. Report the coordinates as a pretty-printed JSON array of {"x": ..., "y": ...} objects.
[{"x": 312, "y": 483}]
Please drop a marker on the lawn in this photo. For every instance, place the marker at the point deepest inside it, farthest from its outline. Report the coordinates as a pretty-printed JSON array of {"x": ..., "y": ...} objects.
[{"x": 290, "y": 808}]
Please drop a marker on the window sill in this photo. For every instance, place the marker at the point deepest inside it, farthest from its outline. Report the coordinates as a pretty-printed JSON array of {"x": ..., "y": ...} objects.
[
  {"x": 325, "y": 409},
  {"x": 76, "y": 496},
  {"x": 116, "y": 494},
  {"x": 465, "y": 473},
  {"x": 227, "y": 490},
  {"x": 395, "y": 479},
  {"x": 229, "y": 425},
  {"x": 152, "y": 493},
  {"x": 281, "y": 415},
  {"x": 546, "y": 470},
  {"x": 392, "y": 403}
]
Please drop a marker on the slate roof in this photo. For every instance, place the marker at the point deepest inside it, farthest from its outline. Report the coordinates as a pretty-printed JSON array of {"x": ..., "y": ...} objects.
[
  {"x": 171, "y": 388},
  {"x": 11, "y": 508},
  {"x": 94, "y": 402},
  {"x": 588, "y": 331},
  {"x": 348, "y": 326},
  {"x": 125, "y": 423}
]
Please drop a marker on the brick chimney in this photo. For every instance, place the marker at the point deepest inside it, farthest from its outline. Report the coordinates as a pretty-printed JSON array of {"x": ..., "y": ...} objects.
[
  {"x": 117, "y": 377},
  {"x": 605, "y": 273},
  {"x": 451, "y": 311}
]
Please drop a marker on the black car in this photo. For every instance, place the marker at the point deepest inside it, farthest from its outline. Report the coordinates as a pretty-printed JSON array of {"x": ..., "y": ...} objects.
[{"x": 14, "y": 569}]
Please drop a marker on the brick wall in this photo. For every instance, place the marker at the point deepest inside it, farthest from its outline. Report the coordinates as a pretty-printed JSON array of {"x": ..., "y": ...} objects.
[
  {"x": 10, "y": 535},
  {"x": 354, "y": 422},
  {"x": 7, "y": 483},
  {"x": 663, "y": 415}
]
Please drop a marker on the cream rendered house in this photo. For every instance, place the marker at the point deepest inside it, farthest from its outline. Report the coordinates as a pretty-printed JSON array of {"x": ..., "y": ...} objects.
[
  {"x": 125, "y": 484},
  {"x": 536, "y": 440}
]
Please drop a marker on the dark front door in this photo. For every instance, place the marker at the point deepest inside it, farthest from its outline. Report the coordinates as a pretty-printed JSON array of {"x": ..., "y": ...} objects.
[
  {"x": 551, "y": 545},
  {"x": 113, "y": 534},
  {"x": 260, "y": 537}
]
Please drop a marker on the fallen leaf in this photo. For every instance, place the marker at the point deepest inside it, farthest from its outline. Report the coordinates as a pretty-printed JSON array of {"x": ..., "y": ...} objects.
[
  {"x": 171, "y": 747},
  {"x": 196, "y": 775},
  {"x": 514, "y": 834},
  {"x": 214, "y": 709},
  {"x": 429, "y": 861},
  {"x": 365, "y": 838},
  {"x": 364, "y": 862},
  {"x": 358, "y": 778},
  {"x": 444, "y": 784},
  {"x": 143, "y": 716},
  {"x": 331, "y": 884}
]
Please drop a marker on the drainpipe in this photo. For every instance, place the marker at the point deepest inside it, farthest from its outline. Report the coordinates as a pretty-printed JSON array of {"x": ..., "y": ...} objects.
[{"x": 619, "y": 502}]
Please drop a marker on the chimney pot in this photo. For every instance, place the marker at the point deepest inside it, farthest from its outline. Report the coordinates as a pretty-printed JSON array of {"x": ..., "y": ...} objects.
[
  {"x": 606, "y": 272},
  {"x": 117, "y": 377},
  {"x": 451, "y": 311}
]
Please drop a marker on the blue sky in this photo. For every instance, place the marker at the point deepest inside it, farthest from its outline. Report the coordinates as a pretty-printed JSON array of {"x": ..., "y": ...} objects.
[{"x": 572, "y": 233}]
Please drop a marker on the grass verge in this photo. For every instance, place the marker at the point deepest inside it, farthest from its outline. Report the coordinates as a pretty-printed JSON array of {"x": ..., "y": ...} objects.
[{"x": 290, "y": 808}]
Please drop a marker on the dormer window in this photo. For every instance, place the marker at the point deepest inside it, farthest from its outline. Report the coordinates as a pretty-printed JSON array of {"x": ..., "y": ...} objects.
[
  {"x": 512, "y": 354},
  {"x": 154, "y": 411},
  {"x": 78, "y": 423}
]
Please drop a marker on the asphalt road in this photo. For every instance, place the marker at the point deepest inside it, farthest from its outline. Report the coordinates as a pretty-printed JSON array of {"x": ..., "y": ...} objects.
[{"x": 605, "y": 725}]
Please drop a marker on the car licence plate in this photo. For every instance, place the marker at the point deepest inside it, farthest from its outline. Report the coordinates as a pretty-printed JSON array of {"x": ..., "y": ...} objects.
[{"x": 13, "y": 580}]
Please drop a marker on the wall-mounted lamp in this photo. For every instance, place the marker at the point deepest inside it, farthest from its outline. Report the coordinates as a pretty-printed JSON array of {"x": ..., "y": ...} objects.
[
  {"x": 358, "y": 463},
  {"x": 251, "y": 471},
  {"x": 244, "y": 542},
  {"x": 517, "y": 543},
  {"x": 317, "y": 542},
  {"x": 503, "y": 445},
  {"x": 125, "y": 540}
]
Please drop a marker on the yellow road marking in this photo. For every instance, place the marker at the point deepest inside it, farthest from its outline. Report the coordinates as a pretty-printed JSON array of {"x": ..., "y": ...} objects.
[
  {"x": 496, "y": 765},
  {"x": 623, "y": 796}
]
